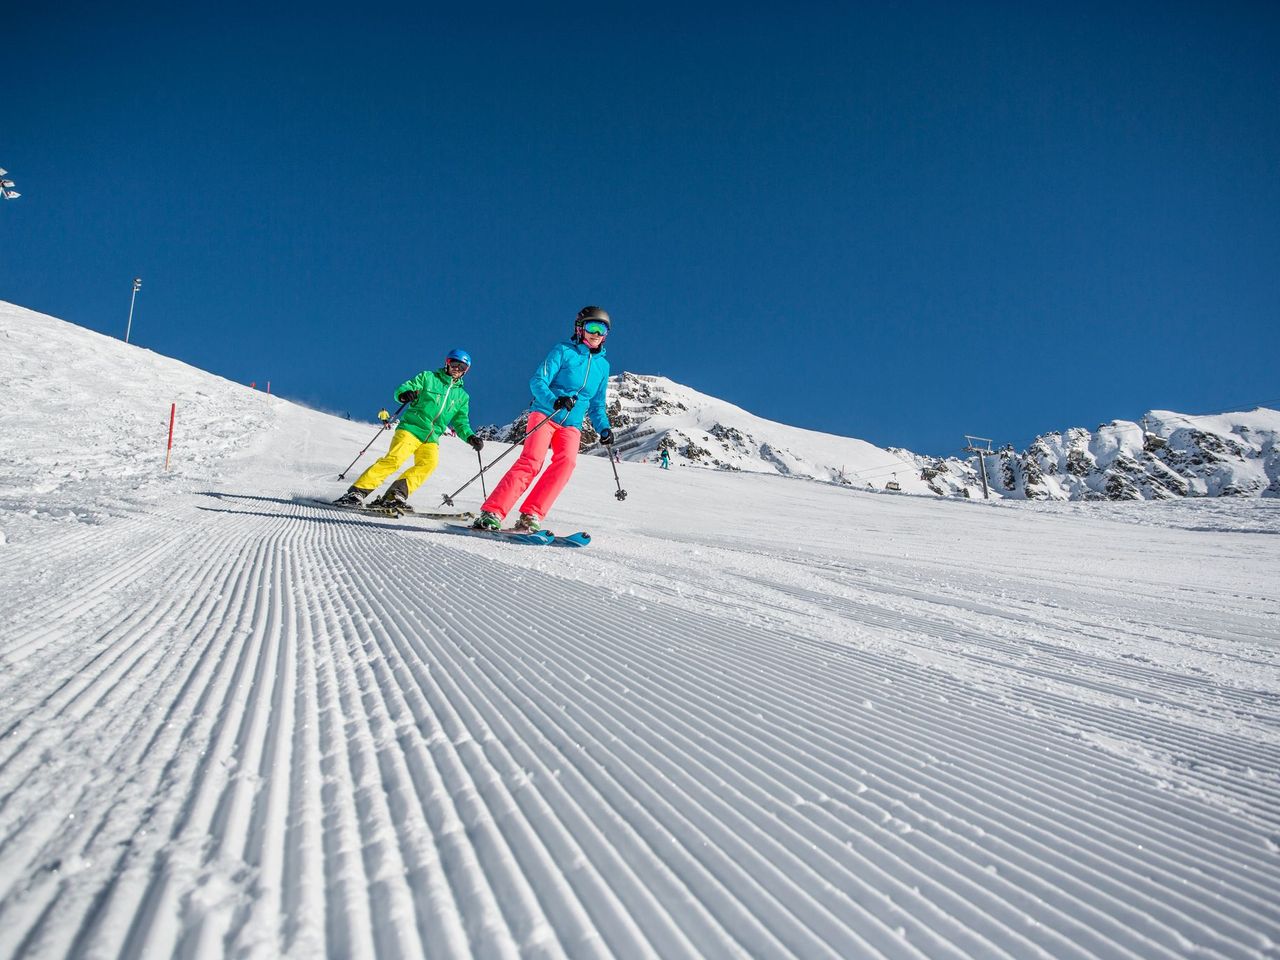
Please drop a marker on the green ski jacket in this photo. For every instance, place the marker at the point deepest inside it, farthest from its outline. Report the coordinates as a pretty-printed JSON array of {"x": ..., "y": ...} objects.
[{"x": 442, "y": 403}]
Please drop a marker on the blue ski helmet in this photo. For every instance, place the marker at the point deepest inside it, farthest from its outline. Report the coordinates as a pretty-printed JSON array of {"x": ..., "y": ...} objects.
[{"x": 457, "y": 353}]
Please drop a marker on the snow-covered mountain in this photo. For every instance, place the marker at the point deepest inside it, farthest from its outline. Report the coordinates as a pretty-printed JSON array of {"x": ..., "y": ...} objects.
[
  {"x": 651, "y": 414},
  {"x": 235, "y": 722},
  {"x": 1233, "y": 454},
  {"x": 1225, "y": 455},
  {"x": 1169, "y": 456}
]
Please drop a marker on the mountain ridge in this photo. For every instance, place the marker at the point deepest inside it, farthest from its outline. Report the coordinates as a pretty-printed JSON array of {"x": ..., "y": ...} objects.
[{"x": 1174, "y": 455}]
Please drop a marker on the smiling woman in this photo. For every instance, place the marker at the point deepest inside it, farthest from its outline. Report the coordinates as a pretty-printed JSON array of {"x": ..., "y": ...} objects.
[{"x": 572, "y": 382}]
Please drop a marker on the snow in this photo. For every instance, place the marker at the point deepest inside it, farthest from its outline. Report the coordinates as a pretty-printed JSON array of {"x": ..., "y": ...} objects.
[
  {"x": 655, "y": 410},
  {"x": 1235, "y": 454},
  {"x": 759, "y": 716}
]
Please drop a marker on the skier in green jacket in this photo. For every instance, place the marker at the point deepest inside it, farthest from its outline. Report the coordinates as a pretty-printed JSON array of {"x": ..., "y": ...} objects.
[{"x": 436, "y": 402}]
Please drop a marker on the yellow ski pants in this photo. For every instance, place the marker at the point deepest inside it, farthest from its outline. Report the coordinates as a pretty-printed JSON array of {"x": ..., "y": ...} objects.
[{"x": 403, "y": 446}]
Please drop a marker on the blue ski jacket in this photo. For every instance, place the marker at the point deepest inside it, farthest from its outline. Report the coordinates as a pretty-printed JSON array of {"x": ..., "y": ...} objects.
[{"x": 571, "y": 369}]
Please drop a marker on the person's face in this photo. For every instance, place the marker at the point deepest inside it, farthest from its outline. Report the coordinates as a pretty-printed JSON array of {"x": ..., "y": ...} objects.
[
  {"x": 455, "y": 368},
  {"x": 594, "y": 332}
]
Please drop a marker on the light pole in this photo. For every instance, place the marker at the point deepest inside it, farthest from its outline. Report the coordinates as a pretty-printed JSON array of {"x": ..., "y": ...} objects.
[{"x": 137, "y": 285}]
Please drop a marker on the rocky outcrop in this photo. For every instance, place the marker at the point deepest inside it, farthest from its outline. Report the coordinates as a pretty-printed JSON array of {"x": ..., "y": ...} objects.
[{"x": 1224, "y": 455}]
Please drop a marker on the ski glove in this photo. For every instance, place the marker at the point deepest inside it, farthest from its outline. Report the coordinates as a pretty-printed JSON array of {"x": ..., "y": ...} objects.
[
  {"x": 408, "y": 396},
  {"x": 476, "y": 442},
  {"x": 606, "y": 437},
  {"x": 564, "y": 403}
]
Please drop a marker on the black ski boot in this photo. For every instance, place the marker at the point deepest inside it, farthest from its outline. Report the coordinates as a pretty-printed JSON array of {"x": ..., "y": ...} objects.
[
  {"x": 354, "y": 497},
  {"x": 396, "y": 498}
]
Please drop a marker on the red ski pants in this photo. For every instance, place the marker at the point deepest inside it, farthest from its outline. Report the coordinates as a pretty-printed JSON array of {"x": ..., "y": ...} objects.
[{"x": 563, "y": 443}]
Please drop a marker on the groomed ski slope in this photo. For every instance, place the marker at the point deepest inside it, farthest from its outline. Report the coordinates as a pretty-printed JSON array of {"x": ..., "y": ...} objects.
[{"x": 756, "y": 718}]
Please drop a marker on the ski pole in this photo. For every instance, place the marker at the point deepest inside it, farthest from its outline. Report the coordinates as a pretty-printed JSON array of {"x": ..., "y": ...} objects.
[
  {"x": 483, "y": 489},
  {"x": 448, "y": 497},
  {"x": 621, "y": 494},
  {"x": 343, "y": 474}
]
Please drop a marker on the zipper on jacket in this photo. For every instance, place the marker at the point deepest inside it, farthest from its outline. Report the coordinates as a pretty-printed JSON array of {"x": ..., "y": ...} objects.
[
  {"x": 448, "y": 390},
  {"x": 587, "y": 376}
]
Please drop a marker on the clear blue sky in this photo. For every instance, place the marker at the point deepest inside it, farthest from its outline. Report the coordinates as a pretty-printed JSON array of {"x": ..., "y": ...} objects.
[{"x": 901, "y": 222}]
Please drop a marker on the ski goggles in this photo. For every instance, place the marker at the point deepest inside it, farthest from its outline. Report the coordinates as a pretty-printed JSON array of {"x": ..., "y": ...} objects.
[
  {"x": 598, "y": 327},
  {"x": 456, "y": 365}
]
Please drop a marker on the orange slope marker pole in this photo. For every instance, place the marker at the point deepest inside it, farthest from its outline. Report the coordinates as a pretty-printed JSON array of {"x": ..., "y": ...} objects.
[{"x": 173, "y": 409}]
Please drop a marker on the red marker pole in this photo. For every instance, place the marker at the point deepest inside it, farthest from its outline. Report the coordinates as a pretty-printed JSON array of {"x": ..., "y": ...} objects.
[{"x": 173, "y": 409}]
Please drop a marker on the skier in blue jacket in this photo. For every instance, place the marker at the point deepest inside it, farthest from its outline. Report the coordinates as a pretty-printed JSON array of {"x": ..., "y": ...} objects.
[{"x": 572, "y": 381}]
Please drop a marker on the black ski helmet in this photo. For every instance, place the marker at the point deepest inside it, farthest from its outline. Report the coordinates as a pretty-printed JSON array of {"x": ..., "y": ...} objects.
[{"x": 591, "y": 313}]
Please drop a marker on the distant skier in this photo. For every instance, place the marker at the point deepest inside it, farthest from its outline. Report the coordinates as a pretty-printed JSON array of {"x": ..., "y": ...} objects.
[
  {"x": 665, "y": 463},
  {"x": 571, "y": 381},
  {"x": 385, "y": 418},
  {"x": 436, "y": 401}
]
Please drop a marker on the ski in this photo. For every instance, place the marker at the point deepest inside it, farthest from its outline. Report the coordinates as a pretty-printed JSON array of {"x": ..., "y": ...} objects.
[
  {"x": 390, "y": 512},
  {"x": 367, "y": 509},
  {"x": 541, "y": 538},
  {"x": 464, "y": 515},
  {"x": 544, "y": 538}
]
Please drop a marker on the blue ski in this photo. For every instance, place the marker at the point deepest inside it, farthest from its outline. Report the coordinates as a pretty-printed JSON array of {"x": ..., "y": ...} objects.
[{"x": 541, "y": 538}]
